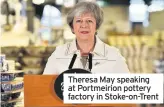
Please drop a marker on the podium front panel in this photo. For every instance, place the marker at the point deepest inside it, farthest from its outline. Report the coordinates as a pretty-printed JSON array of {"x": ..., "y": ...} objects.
[{"x": 39, "y": 92}]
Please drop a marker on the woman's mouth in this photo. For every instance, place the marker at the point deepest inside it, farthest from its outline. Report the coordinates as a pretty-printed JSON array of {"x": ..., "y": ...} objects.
[{"x": 84, "y": 32}]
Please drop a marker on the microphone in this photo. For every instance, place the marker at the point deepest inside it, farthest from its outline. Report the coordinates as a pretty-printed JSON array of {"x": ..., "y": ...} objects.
[
  {"x": 72, "y": 61},
  {"x": 90, "y": 61}
]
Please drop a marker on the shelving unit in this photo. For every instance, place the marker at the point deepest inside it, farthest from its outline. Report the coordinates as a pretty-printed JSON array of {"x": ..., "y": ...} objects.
[
  {"x": 32, "y": 58},
  {"x": 12, "y": 88}
]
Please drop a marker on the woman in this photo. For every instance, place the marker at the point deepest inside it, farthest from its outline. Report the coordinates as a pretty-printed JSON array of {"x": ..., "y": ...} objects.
[{"x": 84, "y": 20}]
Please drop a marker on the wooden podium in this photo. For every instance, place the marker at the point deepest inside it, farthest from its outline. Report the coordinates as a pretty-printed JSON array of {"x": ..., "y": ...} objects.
[{"x": 38, "y": 92}]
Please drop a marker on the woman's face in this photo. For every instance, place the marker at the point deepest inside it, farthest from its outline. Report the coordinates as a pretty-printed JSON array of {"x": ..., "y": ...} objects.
[{"x": 84, "y": 27}]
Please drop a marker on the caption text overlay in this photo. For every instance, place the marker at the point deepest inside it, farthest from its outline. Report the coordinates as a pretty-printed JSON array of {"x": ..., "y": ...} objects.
[{"x": 113, "y": 88}]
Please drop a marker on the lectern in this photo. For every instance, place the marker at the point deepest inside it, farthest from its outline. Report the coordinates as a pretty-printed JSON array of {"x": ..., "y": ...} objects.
[{"x": 39, "y": 92}]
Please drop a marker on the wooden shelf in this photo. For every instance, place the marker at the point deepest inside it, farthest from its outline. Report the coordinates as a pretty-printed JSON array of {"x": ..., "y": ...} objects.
[
  {"x": 17, "y": 79},
  {"x": 19, "y": 105},
  {"x": 12, "y": 92},
  {"x": 11, "y": 101},
  {"x": 13, "y": 72}
]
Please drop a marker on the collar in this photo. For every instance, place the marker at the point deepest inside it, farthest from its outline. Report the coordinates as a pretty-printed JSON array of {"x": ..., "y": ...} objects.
[{"x": 99, "y": 48}]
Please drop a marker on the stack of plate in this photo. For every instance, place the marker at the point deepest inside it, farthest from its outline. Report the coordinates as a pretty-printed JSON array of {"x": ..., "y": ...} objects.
[{"x": 11, "y": 85}]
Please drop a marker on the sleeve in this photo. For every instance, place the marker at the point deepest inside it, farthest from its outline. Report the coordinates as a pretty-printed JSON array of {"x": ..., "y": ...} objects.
[
  {"x": 51, "y": 66},
  {"x": 120, "y": 66}
]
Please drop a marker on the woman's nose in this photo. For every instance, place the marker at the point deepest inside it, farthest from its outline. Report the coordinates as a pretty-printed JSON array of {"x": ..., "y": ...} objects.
[{"x": 84, "y": 24}]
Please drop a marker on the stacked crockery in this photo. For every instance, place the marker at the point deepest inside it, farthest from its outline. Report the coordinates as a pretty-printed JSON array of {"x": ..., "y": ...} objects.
[{"x": 11, "y": 85}]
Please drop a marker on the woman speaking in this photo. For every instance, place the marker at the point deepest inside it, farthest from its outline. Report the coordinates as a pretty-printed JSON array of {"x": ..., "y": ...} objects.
[{"x": 87, "y": 51}]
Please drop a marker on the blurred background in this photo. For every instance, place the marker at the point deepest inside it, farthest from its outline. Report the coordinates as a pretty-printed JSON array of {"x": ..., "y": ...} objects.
[{"x": 31, "y": 29}]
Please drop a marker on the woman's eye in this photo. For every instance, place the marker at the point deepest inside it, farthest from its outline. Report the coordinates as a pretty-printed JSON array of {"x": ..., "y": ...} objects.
[
  {"x": 78, "y": 20},
  {"x": 89, "y": 21}
]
